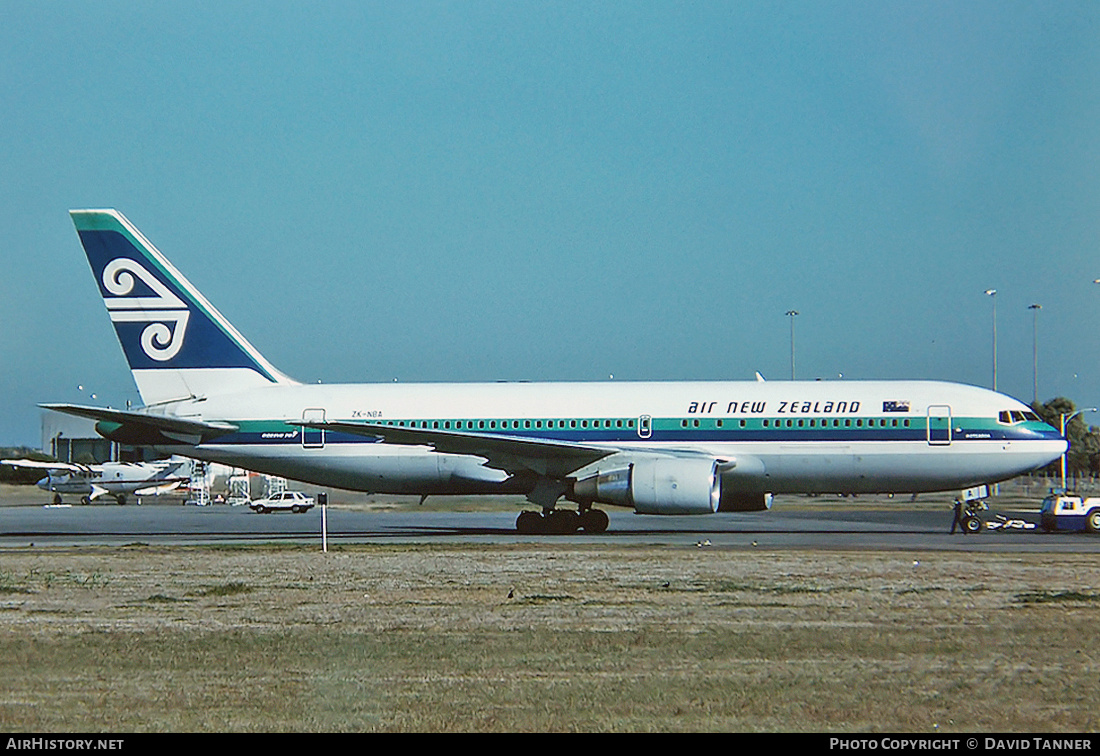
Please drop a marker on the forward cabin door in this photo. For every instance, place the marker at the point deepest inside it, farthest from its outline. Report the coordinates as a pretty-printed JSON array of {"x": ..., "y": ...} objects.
[{"x": 939, "y": 425}]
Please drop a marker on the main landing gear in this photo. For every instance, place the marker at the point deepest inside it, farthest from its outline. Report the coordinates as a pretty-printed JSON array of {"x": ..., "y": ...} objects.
[{"x": 561, "y": 522}]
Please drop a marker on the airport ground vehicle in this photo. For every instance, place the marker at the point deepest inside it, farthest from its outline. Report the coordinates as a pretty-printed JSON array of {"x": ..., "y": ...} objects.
[
  {"x": 285, "y": 501},
  {"x": 1068, "y": 512}
]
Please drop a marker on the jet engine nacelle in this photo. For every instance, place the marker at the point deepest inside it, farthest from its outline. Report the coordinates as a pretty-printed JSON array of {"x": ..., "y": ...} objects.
[
  {"x": 745, "y": 502},
  {"x": 657, "y": 486}
]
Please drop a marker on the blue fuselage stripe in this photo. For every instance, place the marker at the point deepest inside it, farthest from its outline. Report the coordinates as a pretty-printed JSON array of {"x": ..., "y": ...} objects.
[{"x": 692, "y": 435}]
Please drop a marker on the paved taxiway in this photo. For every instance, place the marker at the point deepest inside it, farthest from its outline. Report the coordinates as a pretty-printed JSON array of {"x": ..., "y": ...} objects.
[{"x": 794, "y": 524}]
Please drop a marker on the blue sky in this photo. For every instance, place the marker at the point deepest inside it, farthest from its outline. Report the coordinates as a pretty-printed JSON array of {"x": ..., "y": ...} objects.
[{"x": 562, "y": 191}]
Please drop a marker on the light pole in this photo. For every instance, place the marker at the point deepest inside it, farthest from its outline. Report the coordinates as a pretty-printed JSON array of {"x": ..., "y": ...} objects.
[
  {"x": 791, "y": 314},
  {"x": 1035, "y": 352},
  {"x": 993, "y": 295},
  {"x": 1065, "y": 419}
]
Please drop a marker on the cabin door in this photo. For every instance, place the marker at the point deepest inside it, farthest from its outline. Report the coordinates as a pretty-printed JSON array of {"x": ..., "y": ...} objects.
[
  {"x": 313, "y": 438},
  {"x": 939, "y": 425}
]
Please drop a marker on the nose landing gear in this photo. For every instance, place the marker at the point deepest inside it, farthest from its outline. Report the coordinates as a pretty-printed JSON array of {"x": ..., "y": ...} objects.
[{"x": 967, "y": 517}]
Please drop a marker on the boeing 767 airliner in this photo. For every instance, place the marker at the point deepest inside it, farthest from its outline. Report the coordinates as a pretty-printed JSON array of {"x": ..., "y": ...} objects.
[{"x": 659, "y": 448}]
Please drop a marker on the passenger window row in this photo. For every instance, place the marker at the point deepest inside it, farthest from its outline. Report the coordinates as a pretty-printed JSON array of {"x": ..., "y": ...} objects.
[{"x": 541, "y": 424}]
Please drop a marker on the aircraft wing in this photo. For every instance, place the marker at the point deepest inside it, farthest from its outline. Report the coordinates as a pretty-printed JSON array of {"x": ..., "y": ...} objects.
[
  {"x": 510, "y": 453},
  {"x": 66, "y": 466},
  {"x": 142, "y": 429}
]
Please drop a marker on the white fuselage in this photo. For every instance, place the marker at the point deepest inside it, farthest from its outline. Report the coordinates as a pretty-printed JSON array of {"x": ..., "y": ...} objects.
[
  {"x": 662, "y": 448},
  {"x": 802, "y": 437}
]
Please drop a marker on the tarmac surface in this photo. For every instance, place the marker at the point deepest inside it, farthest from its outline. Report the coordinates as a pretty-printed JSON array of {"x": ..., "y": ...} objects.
[{"x": 867, "y": 523}]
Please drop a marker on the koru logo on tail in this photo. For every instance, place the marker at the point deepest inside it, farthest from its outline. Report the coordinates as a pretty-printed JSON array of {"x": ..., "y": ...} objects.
[{"x": 165, "y": 313}]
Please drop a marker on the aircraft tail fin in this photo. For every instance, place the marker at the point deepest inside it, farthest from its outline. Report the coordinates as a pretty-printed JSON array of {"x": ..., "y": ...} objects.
[{"x": 177, "y": 344}]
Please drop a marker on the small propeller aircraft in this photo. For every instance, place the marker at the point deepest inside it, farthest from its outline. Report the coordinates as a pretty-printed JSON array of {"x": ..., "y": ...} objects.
[{"x": 117, "y": 479}]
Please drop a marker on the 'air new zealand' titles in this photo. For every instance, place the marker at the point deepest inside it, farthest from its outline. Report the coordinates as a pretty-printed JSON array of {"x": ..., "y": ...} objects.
[{"x": 658, "y": 448}]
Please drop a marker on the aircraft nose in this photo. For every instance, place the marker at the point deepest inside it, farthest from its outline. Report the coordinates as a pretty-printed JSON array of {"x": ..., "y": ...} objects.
[{"x": 1049, "y": 431}]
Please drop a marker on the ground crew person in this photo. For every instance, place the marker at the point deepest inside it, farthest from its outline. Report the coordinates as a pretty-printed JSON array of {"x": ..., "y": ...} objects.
[{"x": 958, "y": 516}]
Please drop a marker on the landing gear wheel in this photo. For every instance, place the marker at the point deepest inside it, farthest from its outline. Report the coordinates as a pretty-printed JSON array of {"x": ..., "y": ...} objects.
[
  {"x": 553, "y": 522},
  {"x": 1092, "y": 522},
  {"x": 57, "y": 498},
  {"x": 562, "y": 522},
  {"x": 529, "y": 523},
  {"x": 972, "y": 525},
  {"x": 594, "y": 521}
]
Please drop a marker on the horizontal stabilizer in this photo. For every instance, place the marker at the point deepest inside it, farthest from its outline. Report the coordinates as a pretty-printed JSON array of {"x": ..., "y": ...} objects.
[{"x": 141, "y": 429}]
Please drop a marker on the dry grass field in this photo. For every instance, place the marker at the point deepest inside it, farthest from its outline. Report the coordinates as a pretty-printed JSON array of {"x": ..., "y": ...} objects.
[{"x": 546, "y": 637}]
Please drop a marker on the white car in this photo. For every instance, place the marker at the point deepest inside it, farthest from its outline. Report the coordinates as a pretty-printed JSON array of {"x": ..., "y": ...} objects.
[{"x": 293, "y": 501}]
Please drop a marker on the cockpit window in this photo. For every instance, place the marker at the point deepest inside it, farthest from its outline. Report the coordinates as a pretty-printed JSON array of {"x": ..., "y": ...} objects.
[{"x": 1011, "y": 417}]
